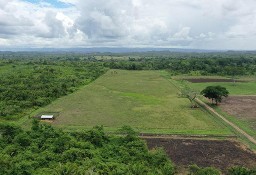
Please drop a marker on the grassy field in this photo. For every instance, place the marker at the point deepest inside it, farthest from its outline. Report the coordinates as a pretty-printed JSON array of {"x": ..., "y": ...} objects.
[
  {"x": 142, "y": 99},
  {"x": 239, "y": 88},
  {"x": 243, "y": 109},
  {"x": 248, "y": 88},
  {"x": 246, "y": 125}
]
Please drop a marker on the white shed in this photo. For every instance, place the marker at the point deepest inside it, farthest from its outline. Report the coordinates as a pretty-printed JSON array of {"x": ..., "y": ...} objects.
[{"x": 47, "y": 117}]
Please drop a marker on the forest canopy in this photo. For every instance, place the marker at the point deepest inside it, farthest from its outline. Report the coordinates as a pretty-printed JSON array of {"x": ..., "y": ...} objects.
[
  {"x": 25, "y": 86},
  {"x": 45, "y": 150}
]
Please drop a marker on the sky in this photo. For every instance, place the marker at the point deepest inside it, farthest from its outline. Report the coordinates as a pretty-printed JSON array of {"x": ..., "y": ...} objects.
[{"x": 193, "y": 24}]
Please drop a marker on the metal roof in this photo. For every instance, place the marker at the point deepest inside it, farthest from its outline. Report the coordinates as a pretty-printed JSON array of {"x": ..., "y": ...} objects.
[{"x": 47, "y": 117}]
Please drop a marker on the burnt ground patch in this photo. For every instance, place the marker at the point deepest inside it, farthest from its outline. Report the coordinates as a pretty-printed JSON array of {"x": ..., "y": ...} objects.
[
  {"x": 208, "y": 80},
  {"x": 243, "y": 107},
  {"x": 221, "y": 154}
]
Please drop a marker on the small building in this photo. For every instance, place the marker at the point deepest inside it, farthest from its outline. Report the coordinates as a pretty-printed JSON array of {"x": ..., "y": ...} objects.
[{"x": 47, "y": 117}]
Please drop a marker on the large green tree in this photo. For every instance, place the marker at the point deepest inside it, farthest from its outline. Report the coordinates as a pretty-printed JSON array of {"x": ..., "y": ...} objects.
[{"x": 215, "y": 93}]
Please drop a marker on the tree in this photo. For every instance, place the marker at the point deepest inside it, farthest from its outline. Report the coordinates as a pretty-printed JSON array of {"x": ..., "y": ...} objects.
[
  {"x": 8, "y": 132},
  {"x": 215, "y": 93},
  {"x": 196, "y": 170},
  {"x": 191, "y": 95},
  {"x": 234, "y": 71}
]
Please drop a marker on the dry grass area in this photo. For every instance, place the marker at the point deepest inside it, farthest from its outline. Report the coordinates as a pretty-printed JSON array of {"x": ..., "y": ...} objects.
[
  {"x": 244, "y": 107},
  {"x": 241, "y": 110}
]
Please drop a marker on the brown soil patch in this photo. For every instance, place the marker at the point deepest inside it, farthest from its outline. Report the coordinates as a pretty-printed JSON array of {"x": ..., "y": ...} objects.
[
  {"x": 221, "y": 154},
  {"x": 47, "y": 121},
  {"x": 243, "y": 107},
  {"x": 207, "y": 80}
]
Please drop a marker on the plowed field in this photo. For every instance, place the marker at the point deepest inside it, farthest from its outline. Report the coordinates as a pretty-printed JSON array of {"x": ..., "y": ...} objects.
[
  {"x": 217, "y": 153},
  {"x": 243, "y": 107}
]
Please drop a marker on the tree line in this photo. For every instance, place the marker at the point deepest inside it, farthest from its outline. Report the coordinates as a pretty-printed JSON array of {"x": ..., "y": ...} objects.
[
  {"x": 191, "y": 66},
  {"x": 25, "y": 86},
  {"x": 215, "y": 63}
]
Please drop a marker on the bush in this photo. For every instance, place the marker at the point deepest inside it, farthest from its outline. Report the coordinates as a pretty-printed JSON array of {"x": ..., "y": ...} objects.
[
  {"x": 195, "y": 170},
  {"x": 241, "y": 171}
]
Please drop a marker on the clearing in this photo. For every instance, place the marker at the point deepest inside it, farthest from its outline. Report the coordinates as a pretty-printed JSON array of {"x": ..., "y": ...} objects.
[
  {"x": 242, "y": 86},
  {"x": 241, "y": 111},
  {"x": 241, "y": 106},
  {"x": 143, "y": 100},
  {"x": 221, "y": 154}
]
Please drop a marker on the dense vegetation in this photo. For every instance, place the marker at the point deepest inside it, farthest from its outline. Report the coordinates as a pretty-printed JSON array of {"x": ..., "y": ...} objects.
[
  {"x": 45, "y": 150},
  {"x": 215, "y": 63},
  {"x": 191, "y": 63},
  {"x": 26, "y": 85},
  {"x": 192, "y": 66}
]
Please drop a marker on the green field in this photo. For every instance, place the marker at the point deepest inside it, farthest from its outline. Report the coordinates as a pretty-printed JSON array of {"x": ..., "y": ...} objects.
[
  {"x": 238, "y": 88},
  {"x": 248, "y": 88},
  {"x": 142, "y": 99}
]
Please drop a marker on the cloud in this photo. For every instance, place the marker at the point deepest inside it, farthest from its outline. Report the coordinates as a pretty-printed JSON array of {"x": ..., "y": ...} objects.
[
  {"x": 35, "y": 25},
  {"x": 209, "y": 24},
  {"x": 104, "y": 20},
  {"x": 183, "y": 34}
]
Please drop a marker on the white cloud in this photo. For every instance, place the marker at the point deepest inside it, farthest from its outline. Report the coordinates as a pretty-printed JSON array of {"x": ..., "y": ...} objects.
[
  {"x": 209, "y": 24},
  {"x": 69, "y": 1},
  {"x": 183, "y": 34}
]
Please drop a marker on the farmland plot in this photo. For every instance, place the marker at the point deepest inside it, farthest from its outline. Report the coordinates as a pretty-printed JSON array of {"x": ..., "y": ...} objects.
[
  {"x": 142, "y": 99},
  {"x": 241, "y": 110}
]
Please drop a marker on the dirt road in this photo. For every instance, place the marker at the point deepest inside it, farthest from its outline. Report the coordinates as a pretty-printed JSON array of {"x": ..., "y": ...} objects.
[{"x": 226, "y": 121}]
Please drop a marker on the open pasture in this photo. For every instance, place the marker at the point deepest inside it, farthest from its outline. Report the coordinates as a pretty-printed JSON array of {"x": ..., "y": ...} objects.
[
  {"x": 239, "y": 88},
  {"x": 239, "y": 107},
  {"x": 142, "y": 99},
  {"x": 242, "y": 86},
  {"x": 207, "y": 80}
]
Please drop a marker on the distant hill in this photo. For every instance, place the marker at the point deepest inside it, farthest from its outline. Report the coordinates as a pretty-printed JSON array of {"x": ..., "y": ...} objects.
[
  {"x": 121, "y": 50},
  {"x": 107, "y": 50}
]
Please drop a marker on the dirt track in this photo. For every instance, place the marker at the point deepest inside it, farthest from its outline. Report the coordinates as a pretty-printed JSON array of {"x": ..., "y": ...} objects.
[
  {"x": 218, "y": 153},
  {"x": 250, "y": 138}
]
